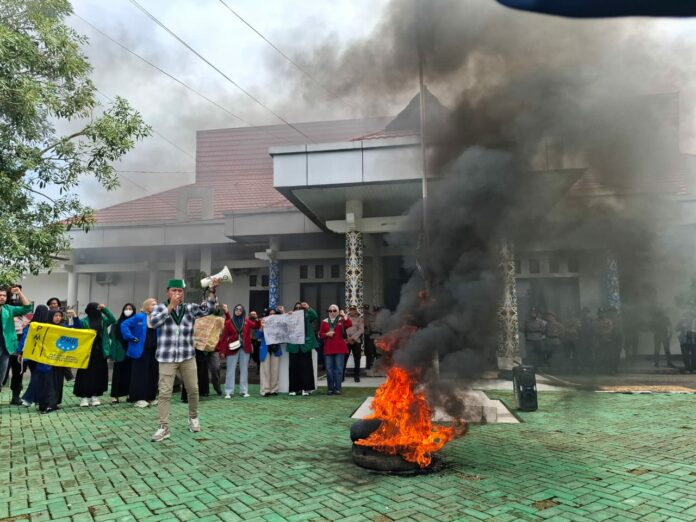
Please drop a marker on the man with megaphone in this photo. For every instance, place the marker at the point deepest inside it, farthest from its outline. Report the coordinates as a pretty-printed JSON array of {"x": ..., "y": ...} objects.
[{"x": 174, "y": 320}]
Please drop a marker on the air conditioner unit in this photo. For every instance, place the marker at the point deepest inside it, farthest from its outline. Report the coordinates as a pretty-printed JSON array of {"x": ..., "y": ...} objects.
[{"x": 105, "y": 278}]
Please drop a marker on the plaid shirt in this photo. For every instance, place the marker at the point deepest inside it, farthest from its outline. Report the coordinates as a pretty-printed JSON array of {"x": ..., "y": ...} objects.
[{"x": 175, "y": 341}]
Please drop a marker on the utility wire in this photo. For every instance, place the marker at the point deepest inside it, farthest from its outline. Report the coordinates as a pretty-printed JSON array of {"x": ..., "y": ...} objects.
[
  {"x": 156, "y": 171},
  {"x": 177, "y": 80},
  {"x": 205, "y": 60},
  {"x": 155, "y": 131},
  {"x": 281, "y": 53}
]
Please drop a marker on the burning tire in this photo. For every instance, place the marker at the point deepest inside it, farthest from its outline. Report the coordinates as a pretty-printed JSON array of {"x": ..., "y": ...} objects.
[
  {"x": 366, "y": 457},
  {"x": 363, "y": 428}
]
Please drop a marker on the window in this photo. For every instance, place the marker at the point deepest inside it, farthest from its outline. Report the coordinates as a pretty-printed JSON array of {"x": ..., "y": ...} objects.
[
  {"x": 319, "y": 271},
  {"x": 253, "y": 279},
  {"x": 304, "y": 271},
  {"x": 573, "y": 264},
  {"x": 518, "y": 265},
  {"x": 534, "y": 266},
  {"x": 264, "y": 280},
  {"x": 554, "y": 264},
  {"x": 335, "y": 271}
]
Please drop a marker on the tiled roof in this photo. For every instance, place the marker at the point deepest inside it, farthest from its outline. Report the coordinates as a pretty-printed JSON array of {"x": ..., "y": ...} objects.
[
  {"x": 382, "y": 134},
  {"x": 236, "y": 165}
]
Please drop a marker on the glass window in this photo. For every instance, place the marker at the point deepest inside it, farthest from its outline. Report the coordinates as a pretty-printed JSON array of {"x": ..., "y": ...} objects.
[
  {"x": 554, "y": 264},
  {"x": 304, "y": 271},
  {"x": 319, "y": 271},
  {"x": 253, "y": 280},
  {"x": 264, "y": 280},
  {"x": 534, "y": 266},
  {"x": 573, "y": 263},
  {"x": 335, "y": 271}
]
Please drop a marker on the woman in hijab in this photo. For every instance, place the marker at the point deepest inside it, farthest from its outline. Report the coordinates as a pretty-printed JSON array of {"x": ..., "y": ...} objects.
[
  {"x": 93, "y": 381},
  {"x": 137, "y": 331},
  {"x": 120, "y": 380},
  {"x": 301, "y": 372},
  {"x": 244, "y": 327},
  {"x": 40, "y": 373},
  {"x": 269, "y": 360}
]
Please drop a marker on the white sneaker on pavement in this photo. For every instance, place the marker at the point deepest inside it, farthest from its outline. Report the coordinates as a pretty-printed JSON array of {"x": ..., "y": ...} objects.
[
  {"x": 292, "y": 394},
  {"x": 94, "y": 401},
  {"x": 194, "y": 425},
  {"x": 161, "y": 434},
  {"x": 228, "y": 396},
  {"x": 141, "y": 404},
  {"x": 27, "y": 404},
  {"x": 246, "y": 395},
  {"x": 305, "y": 393},
  {"x": 84, "y": 402},
  {"x": 154, "y": 403}
]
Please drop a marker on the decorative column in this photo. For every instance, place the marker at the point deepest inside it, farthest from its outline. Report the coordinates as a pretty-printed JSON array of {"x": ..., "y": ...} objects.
[
  {"x": 273, "y": 283},
  {"x": 179, "y": 264},
  {"x": 72, "y": 287},
  {"x": 508, "y": 349},
  {"x": 613, "y": 290},
  {"x": 354, "y": 269},
  {"x": 273, "y": 274}
]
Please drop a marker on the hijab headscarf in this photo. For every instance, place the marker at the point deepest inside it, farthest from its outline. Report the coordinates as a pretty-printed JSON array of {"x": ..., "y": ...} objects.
[
  {"x": 146, "y": 302},
  {"x": 122, "y": 317},
  {"x": 94, "y": 317},
  {"x": 53, "y": 313},
  {"x": 238, "y": 321},
  {"x": 42, "y": 315}
]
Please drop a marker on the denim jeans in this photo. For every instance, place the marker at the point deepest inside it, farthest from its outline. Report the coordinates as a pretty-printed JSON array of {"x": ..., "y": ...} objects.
[
  {"x": 334, "y": 371},
  {"x": 243, "y": 359}
]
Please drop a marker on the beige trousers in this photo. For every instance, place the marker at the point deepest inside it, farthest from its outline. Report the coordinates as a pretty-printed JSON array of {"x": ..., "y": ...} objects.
[
  {"x": 189, "y": 374},
  {"x": 269, "y": 374}
]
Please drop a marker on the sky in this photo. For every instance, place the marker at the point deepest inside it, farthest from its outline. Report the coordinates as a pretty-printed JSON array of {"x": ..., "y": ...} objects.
[
  {"x": 174, "y": 112},
  {"x": 303, "y": 29}
]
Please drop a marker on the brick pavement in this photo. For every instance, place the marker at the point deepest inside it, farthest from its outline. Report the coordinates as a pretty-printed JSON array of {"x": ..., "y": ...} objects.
[{"x": 583, "y": 456}]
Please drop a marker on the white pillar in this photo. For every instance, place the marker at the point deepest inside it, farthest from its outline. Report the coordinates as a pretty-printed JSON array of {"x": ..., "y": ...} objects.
[
  {"x": 179, "y": 264},
  {"x": 152, "y": 290},
  {"x": 72, "y": 287},
  {"x": 354, "y": 255},
  {"x": 207, "y": 260}
]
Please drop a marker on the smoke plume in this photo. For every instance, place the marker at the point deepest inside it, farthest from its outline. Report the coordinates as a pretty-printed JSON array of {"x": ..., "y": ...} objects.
[{"x": 534, "y": 104}]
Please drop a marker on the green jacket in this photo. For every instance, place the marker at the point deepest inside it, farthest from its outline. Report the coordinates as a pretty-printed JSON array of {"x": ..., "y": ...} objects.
[
  {"x": 310, "y": 337},
  {"x": 8, "y": 313},
  {"x": 118, "y": 354},
  {"x": 107, "y": 320}
]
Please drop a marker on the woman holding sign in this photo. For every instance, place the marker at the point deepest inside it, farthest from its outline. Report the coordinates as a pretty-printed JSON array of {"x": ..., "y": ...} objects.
[
  {"x": 301, "y": 371},
  {"x": 92, "y": 382}
]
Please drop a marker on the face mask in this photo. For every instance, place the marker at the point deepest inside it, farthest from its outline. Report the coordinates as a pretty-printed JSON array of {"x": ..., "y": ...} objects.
[{"x": 128, "y": 313}]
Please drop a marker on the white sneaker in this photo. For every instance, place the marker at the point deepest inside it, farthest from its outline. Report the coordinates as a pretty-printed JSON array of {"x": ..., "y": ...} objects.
[
  {"x": 141, "y": 404},
  {"x": 292, "y": 394},
  {"x": 246, "y": 395},
  {"x": 305, "y": 393},
  {"x": 154, "y": 403},
  {"x": 27, "y": 404},
  {"x": 228, "y": 396},
  {"x": 94, "y": 401},
  {"x": 161, "y": 434},
  {"x": 194, "y": 425},
  {"x": 84, "y": 402}
]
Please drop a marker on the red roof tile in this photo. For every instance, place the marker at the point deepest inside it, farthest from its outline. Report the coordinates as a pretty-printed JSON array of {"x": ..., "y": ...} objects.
[{"x": 236, "y": 165}]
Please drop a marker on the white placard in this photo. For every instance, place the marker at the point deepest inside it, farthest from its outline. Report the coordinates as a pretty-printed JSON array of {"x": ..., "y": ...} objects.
[{"x": 284, "y": 328}]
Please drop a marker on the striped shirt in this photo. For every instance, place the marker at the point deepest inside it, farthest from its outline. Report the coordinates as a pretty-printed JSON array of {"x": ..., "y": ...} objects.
[{"x": 175, "y": 341}]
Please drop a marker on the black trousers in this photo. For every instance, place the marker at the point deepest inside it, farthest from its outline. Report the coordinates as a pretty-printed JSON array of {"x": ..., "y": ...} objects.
[
  {"x": 356, "y": 351},
  {"x": 370, "y": 351},
  {"x": 14, "y": 368},
  {"x": 689, "y": 356}
]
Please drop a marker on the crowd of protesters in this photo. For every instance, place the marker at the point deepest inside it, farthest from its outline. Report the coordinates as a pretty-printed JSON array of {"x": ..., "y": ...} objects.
[
  {"x": 156, "y": 346},
  {"x": 595, "y": 344}
]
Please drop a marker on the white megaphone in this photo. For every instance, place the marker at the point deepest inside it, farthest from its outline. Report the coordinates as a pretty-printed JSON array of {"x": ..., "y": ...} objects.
[{"x": 223, "y": 275}]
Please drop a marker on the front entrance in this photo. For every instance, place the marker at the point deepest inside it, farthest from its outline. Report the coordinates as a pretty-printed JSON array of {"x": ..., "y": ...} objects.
[
  {"x": 258, "y": 301},
  {"x": 321, "y": 295}
]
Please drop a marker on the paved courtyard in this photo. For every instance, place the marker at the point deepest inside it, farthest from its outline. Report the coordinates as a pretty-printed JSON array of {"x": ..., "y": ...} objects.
[{"x": 582, "y": 456}]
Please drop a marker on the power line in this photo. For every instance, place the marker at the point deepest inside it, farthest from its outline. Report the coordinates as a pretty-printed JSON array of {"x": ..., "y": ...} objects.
[
  {"x": 281, "y": 53},
  {"x": 155, "y": 131},
  {"x": 156, "y": 171},
  {"x": 177, "y": 80},
  {"x": 205, "y": 60}
]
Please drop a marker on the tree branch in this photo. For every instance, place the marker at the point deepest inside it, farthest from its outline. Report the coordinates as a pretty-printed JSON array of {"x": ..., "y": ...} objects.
[{"x": 63, "y": 140}]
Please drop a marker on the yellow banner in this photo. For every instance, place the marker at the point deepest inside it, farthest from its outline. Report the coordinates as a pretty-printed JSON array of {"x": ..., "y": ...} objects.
[{"x": 59, "y": 346}]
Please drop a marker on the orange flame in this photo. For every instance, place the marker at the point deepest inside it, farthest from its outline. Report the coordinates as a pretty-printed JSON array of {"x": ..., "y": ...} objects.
[{"x": 406, "y": 428}]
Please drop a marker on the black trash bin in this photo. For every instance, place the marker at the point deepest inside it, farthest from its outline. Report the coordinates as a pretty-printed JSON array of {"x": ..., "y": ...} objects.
[{"x": 524, "y": 383}]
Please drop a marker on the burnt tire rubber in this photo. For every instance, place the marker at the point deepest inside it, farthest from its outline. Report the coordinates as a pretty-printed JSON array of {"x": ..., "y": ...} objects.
[
  {"x": 363, "y": 428},
  {"x": 367, "y": 458}
]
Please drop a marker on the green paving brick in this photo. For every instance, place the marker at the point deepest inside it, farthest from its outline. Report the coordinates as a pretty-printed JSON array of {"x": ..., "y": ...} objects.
[{"x": 577, "y": 450}]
